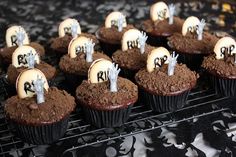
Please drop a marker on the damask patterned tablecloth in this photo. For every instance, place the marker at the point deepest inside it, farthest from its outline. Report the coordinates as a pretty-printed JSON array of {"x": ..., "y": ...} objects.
[{"x": 203, "y": 137}]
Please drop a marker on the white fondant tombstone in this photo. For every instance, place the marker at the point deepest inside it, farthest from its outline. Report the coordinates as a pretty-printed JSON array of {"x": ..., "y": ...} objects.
[
  {"x": 19, "y": 57},
  {"x": 159, "y": 11},
  {"x": 65, "y": 27},
  {"x": 77, "y": 45},
  {"x": 25, "y": 85},
  {"x": 98, "y": 71},
  {"x": 11, "y": 36},
  {"x": 190, "y": 25},
  {"x": 112, "y": 18},
  {"x": 157, "y": 58},
  {"x": 130, "y": 39},
  {"x": 225, "y": 45}
]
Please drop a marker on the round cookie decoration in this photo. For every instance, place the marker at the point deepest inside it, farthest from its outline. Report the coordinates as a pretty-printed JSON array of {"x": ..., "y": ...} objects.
[
  {"x": 159, "y": 11},
  {"x": 116, "y": 19},
  {"x": 225, "y": 47},
  {"x": 157, "y": 58},
  {"x": 25, "y": 56},
  {"x": 130, "y": 39},
  {"x": 194, "y": 26},
  {"x": 98, "y": 71},
  {"x": 70, "y": 27},
  {"x": 31, "y": 82},
  {"x": 81, "y": 45},
  {"x": 16, "y": 36}
]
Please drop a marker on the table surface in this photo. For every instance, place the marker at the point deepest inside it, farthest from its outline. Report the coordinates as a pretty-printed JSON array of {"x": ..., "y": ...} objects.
[{"x": 204, "y": 137}]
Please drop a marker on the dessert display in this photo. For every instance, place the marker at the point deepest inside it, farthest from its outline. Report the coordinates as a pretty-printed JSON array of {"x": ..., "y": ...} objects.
[
  {"x": 105, "y": 97},
  {"x": 222, "y": 66},
  {"x": 111, "y": 33},
  {"x": 16, "y": 36},
  {"x": 164, "y": 84},
  {"x": 76, "y": 63},
  {"x": 133, "y": 53},
  {"x": 193, "y": 43},
  {"x": 67, "y": 30},
  {"x": 26, "y": 57},
  {"x": 39, "y": 113},
  {"x": 162, "y": 23}
]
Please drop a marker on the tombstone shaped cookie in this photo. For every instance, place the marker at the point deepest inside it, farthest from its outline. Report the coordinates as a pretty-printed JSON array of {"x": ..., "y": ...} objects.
[
  {"x": 67, "y": 30},
  {"x": 41, "y": 110},
  {"x": 192, "y": 44},
  {"x": 76, "y": 62},
  {"x": 133, "y": 53},
  {"x": 106, "y": 95},
  {"x": 16, "y": 37},
  {"x": 111, "y": 33},
  {"x": 222, "y": 66},
  {"x": 164, "y": 84},
  {"x": 162, "y": 23},
  {"x": 26, "y": 57}
]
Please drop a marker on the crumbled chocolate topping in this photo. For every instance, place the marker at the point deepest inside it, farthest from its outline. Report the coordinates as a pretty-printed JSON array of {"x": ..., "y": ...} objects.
[
  {"x": 162, "y": 28},
  {"x": 6, "y": 52},
  {"x": 57, "y": 105},
  {"x": 13, "y": 72},
  {"x": 98, "y": 95},
  {"x": 112, "y": 35},
  {"x": 225, "y": 68},
  {"x": 190, "y": 45},
  {"x": 132, "y": 59},
  {"x": 158, "y": 82},
  {"x": 78, "y": 65}
]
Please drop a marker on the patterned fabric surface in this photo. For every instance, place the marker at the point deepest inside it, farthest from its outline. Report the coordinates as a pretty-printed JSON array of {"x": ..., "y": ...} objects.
[{"x": 203, "y": 137}]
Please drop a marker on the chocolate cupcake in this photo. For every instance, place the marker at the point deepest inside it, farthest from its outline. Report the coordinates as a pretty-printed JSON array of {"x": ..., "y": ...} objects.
[
  {"x": 68, "y": 29},
  {"x": 26, "y": 57},
  {"x": 110, "y": 35},
  {"x": 162, "y": 24},
  {"x": 76, "y": 63},
  {"x": 106, "y": 103},
  {"x": 133, "y": 55},
  {"x": 17, "y": 36},
  {"x": 164, "y": 84},
  {"x": 38, "y": 113},
  {"x": 193, "y": 44},
  {"x": 222, "y": 66}
]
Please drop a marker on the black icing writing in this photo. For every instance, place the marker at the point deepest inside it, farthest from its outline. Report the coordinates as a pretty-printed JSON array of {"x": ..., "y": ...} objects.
[
  {"x": 22, "y": 59},
  {"x": 13, "y": 40},
  {"x": 133, "y": 43},
  {"x": 226, "y": 50},
  {"x": 114, "y": 23},
  {"x": 28, "y": 87},
  {"x": 161, "y": 14},
  {"x": 67, "y": 30},
  {"x": 102, "y": 76},
  {"x": 192, "y": 29},
  {"x": 79, "y": 49},
  {"x": 158, "y": 62}
]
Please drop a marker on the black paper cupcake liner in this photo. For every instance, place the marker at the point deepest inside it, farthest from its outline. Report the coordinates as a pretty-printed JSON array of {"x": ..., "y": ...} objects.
[
  {"x": 224, "y": 87},
  {"x": 41, "y": 134},
  {"x": 111, "y": 118},
  {"x": 160, "y": 103},
  {"x": 127, "y": 73},
  {"x": 72, "y": 81},
  {"x": 157, "y": 40}
]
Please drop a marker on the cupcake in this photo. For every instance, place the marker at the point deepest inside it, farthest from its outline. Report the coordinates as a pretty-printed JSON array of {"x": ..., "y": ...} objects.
[
  {"x": 68, "y": 29},
  {"x": 105, "y": 97},
  {"x": 25, "y": 57},
  {"x": 38, "y": 113},
  {"x": 76, "y": 63},
  {"x": 162, "y": 24},
  {"x": 110, "y": 35},
  {"x": 222, "y": 66},
  {"x": 17, "y": 36},
  {"x": 164, "y": 84},
  {"x": 193, "y": 43},
  {"x": 133, "y": 54}
]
